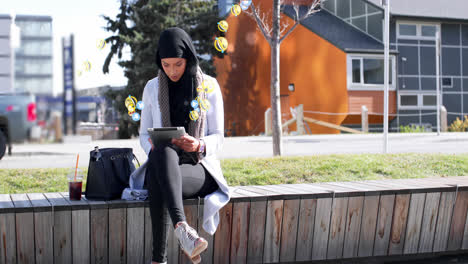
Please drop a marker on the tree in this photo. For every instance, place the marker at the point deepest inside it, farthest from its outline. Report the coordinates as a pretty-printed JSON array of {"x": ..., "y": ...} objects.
[
  {"x": 138, "y": 26},
  {"x": 275, "y": 34}
]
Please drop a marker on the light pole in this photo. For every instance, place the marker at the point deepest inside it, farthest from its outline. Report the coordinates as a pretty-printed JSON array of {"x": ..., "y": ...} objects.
[
  {"x": 15, "y": 42},
  {"x": 386, "y": 4},
  {"x": 438, "y": 79}
]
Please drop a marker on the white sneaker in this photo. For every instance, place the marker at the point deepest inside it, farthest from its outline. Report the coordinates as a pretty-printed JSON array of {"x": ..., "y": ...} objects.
[{"x": 189, "y": 241}]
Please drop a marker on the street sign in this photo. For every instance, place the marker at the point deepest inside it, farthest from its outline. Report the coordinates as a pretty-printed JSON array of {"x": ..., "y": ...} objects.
[{"x": 69, "y": 104}]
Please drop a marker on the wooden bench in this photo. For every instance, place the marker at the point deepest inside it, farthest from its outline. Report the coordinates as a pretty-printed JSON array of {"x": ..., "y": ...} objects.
[{"x": 261, "y": 224}]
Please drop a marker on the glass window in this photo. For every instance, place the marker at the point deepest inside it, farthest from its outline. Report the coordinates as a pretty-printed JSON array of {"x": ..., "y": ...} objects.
[
  {"x": 407, "y": 30},
  {"x": 358, "y": 8},
  {"x": 360, "y": 23},
  {"x": 429, "y": 100},
  {"x": 447, "y": 82},
  {"x": 343, "y": 8},
  {"x": 372, "y": 9},
  {"x": 33, "y": 66},
  {"x": 356, "y": 71},
  {"x": 329, "y": 5},
  {"x": 35, "y": 47},
  {"x": 374, "y": 26},
  {"x": 408, "y": 100},
  {"x": 373, "y": 71},
  {"x": 428, "y": 31},
  {"x": 35, "y": 28},
  {"x": 34, "y": 85}
]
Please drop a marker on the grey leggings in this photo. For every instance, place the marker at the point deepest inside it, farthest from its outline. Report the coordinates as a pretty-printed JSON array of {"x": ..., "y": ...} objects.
[{"x": 168, "y": 183}]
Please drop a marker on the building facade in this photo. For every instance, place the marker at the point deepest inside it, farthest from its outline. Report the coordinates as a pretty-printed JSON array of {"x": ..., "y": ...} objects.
[
  {"x": 33, "y": 58},
  {"x": 335, "y": 60}
]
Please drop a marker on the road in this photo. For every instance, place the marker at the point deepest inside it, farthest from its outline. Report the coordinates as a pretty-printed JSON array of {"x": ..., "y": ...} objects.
[{"x": 64, "y": 155}]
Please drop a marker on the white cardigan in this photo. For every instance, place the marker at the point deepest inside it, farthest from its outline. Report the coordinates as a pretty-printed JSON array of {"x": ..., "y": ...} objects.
[{"x": 214, "y": 137}]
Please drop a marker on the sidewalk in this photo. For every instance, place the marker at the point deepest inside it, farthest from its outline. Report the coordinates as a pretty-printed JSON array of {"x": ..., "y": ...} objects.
[{"x": 64, "y": 155}]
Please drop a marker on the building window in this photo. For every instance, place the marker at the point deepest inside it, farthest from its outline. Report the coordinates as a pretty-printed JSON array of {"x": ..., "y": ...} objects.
[
  {"x": 356, "y": 71},
  {"x": 447, "y": 82},
  {"x": 429, "y": 100},
  {"x": 411, "y": 30},
  {"x": 407, "y": 30},
  {"x": 366, "y": 72},
  {"x": 417, "y": 100},
  {"x": 409, "y": 100},
  {"x": 428, "y": 31}
]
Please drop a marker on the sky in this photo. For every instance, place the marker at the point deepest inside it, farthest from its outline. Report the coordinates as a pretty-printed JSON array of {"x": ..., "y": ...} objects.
[{"x": 83, "y": 19}]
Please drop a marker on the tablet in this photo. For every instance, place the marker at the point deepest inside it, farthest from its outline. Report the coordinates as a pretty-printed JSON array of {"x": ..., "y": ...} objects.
[{"x": 162, "y": 134}]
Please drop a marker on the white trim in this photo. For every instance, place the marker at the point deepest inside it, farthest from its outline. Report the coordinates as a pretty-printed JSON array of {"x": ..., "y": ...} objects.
[
  {"x": 362, "y": 86},
  {"x": 419, "y": 95},
  {"x": 418, "y": 29}
]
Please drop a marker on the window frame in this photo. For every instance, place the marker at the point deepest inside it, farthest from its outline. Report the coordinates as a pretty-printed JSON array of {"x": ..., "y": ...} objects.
[
  {"x": 420, "y": 95},
  {"x": 418, "y": 29},
  {"x": 363, "y": 86}
]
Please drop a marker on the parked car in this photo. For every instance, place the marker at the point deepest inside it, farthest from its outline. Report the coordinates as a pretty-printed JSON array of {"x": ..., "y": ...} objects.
[{"x": 17, "y": 117}]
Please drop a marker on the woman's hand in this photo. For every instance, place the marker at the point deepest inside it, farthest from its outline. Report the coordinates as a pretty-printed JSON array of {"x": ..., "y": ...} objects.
[{"x": 187, "y": 143}]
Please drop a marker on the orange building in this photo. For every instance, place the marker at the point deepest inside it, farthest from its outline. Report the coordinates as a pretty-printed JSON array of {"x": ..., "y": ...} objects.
[{"x": 335, "y": 68}]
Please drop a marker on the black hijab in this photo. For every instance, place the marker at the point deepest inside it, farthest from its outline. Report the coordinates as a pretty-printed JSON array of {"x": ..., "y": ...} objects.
[{"x": 176, "y": 43}]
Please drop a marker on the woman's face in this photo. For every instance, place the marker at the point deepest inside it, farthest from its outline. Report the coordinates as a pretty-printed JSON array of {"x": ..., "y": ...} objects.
[{"x": 174, "y": 67}]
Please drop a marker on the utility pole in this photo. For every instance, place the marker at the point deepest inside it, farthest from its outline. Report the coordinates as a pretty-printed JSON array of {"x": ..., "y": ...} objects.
[{"x": 386, "y": 4}]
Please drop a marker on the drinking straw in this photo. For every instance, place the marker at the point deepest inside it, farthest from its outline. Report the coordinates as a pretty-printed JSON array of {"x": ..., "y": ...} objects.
[{"x": 76, "y": 169}]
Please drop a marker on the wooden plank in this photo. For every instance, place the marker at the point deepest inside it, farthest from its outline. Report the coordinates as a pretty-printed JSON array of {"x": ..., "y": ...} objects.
[
  {"x": 330, "y": 125},
  {"x": 384, "y": 223},
  {"x": 305, "y": 233},
  {"x": 447, "y": 201},
  {"x": 118, "y": 241},
  {"x": 256, "y": 231},
  {"x": 24, "y": 229},
  {"x": 431, "y": 210},
  {"x": 43, "y": 234},
  {"x": 457, "y": 227},
  {"x": 7, "y": 230},
  {"x": 368, "y": 226},
  {"x": 222, "y": 237},
  {"x": 191, "y": 217},
  {"x": 308, "y": 188},
  {"x": 321, "y": 228},
  {"x": 62, "y": 228},
  {"x": 240, "y": 232},
  {"x": 353, "y": 226},
  {"x": 465, "y": 236},
  {"x": 273, "y": 231},
  {"x": 148, "y": 236},
  {"x": 135, "y": 235},
  {"x": 80, "y": 237},
  {"x": 207, "y": 255},
  {"x": 337, "y": 228},
  {"x": 413, "y": 228},
  {"x": 289, "y": 230},
  {"x": 80, "y": 230},
  {"x": 398, "y": 231},
  {"x": 6, "y": 204},
  {"x": 99, "y": 236}
]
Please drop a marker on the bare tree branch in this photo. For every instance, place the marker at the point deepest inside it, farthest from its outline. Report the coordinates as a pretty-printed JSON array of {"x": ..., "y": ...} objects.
[
  {"x": 261, "y": 22},
  {"x": 298, "y": 19}
]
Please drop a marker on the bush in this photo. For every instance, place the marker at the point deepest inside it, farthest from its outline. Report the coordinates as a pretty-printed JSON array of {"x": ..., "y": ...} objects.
[
  {"x": 412, "y": 129},
  {"x": 459, "y": 125}
]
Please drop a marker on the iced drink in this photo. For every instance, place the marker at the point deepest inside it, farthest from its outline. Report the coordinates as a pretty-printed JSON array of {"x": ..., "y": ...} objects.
[
  {"x": 75, "y": 183},
  {"x": 74, "y": 190}
]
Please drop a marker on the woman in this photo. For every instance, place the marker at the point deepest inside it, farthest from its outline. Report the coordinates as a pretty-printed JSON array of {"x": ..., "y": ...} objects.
[{"x": 186, "y": 167}]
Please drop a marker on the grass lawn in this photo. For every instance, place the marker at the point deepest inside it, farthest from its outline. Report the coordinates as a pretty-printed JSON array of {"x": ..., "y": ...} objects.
[{"x": 263, "y": 171}]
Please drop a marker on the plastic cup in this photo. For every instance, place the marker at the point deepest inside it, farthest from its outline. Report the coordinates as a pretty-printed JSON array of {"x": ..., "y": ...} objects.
[{"x": 75, "y": 184}]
